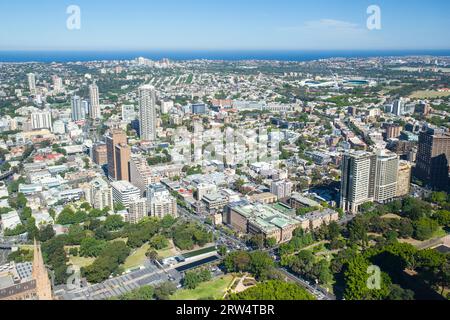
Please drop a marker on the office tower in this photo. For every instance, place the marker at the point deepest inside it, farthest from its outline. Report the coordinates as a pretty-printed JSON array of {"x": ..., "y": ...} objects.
[
  {"x": 433, "y": 158},
  {"x": 386, "y": 175},
  {"x": 161, "y": 201},
  {"x": 100, "y": 196},
  {"x": 41, "y": 120},
  {"x": 128, "y": 113},
  {"x": 147, "y": 113},
  {"x": 357, "y": 180},
  {"x": 78, "y": 110},
  {"x": 115, "y": 137},
  {"x": 123, "y": 154},
  {"x": 100, "y": 154},
  {"x": 32, "y": 83},
  {"x": 282, "y": 189},
  {"x": 94, "y": 100},
  {"x": 404, "y": 178},
  {"x": 125, "y": 193}
]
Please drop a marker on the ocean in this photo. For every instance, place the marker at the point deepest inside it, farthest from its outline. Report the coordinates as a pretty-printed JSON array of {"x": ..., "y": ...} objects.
[{"x": 80, "y": 56}]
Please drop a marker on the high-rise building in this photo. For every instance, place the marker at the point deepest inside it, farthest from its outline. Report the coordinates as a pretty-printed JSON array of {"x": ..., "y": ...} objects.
[
  {"x": 94, "y": 102},
  {"x": 115, "y": 138},
  {"x": 404, "y": 179},
  {"x": 282, "y": 189},
  {"x": 141, "y": 175},
  {"x": 398, "y": 107},
  {"x": 357, "y": 180},
  {"x": 125, "y": 193},
  {"x": 393, "y": 131},
  {"x": 100, "y": 196},
  {"x": 123, "y": 154},
  {"x": 128, "y": 113},
  {"x": 161, "y": 202},
  {"x": 137, "y": 210},
  {"x": 147, "y": 113},
  {"x": 32, "y": 83},
  {"x": 386, "y": 175},
  {"x": 57, "y": 84},
  {"x": 41, "y": 120},
  {"x": 433, "y": 158},
  {"x": 78, "y": 110},
  {"x": 100, "y": 154},
  {"x": 368, "y": 177}
]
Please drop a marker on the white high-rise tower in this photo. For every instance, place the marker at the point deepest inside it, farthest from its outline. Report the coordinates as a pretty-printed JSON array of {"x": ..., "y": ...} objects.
[
  {"x": 32, "y": 83},
  {"x": 147, "y": 112},
  {"x": 94, "y": 111}
]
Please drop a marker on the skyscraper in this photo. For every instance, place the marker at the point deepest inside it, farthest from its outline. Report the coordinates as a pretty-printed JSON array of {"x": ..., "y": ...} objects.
[
  {"x": 357, "y": 180},
  {"x": 368, "y": 177},
  {"x": 123, "y": 155},
  {"x": 433, "y": 158},
  {"x": 147, "y": 112},
  {"x": 32, "y": 83},
  {"x": 94, "y": 110},
  {"x": 78, "y": 110},
  {"x": 386, "y": 177},
  {"x": 115, "y": 138}
]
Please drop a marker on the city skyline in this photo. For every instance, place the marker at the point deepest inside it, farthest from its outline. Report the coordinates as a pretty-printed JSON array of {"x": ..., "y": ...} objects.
[{"x": 199, "y": 25}]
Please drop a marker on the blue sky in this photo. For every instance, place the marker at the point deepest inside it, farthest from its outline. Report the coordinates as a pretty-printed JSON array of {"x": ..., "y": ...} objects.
[{"x": 224, "y": 24}]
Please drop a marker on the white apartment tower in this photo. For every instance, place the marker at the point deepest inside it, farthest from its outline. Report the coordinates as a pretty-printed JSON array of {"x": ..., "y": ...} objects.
[
  {"x": 101, "y": 195},
  {"x": 32, "y": 83},
  {"x": 94, "y": 99},
  {"x": 147, "y": 112},
  {"x": 368, "y": 177},
  {"x": 41, "y": 120},
  {"x": 386, "y": 177}
]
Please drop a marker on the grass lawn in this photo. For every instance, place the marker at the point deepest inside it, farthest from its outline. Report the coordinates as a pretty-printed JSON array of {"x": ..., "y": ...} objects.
[
  {"x": 170, "y": 251},
  {"x": 137, "y": 258},
  {"x": 215, "y": 288},
  {"x": 423, "y": 94},
  {"x": 81, "y": 261},
  {"x": 439, "y": 233}
]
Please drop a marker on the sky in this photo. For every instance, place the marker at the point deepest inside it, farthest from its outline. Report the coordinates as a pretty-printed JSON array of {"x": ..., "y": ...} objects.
[{"x": 224, "y": 25}]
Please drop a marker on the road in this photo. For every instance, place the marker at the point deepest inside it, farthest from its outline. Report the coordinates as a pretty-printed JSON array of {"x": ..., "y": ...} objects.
[
  {"x": 4, "y": 256},
  {"x": 318, "y": 292}
]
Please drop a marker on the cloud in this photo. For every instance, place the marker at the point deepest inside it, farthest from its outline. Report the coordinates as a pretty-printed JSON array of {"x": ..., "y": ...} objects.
[{"x": 325, "y": 25}]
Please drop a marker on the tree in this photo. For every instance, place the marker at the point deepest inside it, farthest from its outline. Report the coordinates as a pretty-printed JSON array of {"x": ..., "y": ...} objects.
[
  {"x": 91, "y": 247},
  {"x": 145, "y": 293},
  {"x": 398, "y": 293},
  {"x": 165, "y": 290},
  {"x": 358, "y": 231},
  {"x": 152, "y": 255},
  {"x": 113, "y": 223},
  {"x": 46, "y": 233},
  {"x": 159, "y": 242},
  {"x": 271, "y": 242},
  {"x": 406, "y": 228},
  {"x": 274, "y": 290},
  {"x": 257, "y": 241},
  {"x": 424, "y": 228}
]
